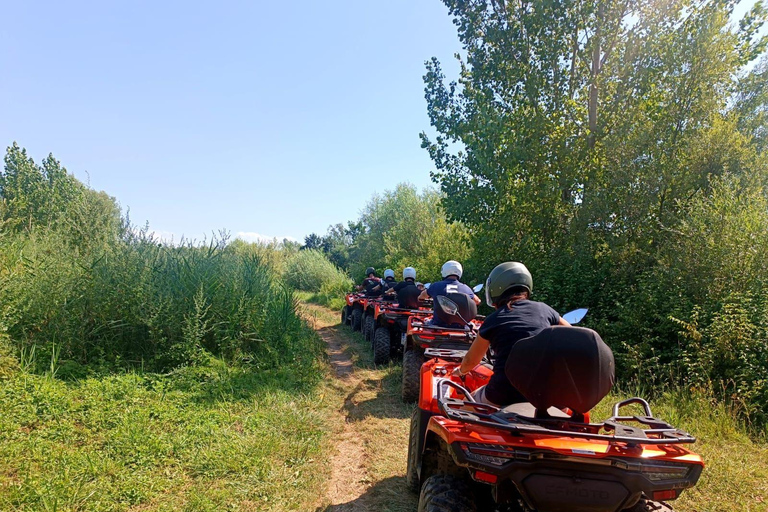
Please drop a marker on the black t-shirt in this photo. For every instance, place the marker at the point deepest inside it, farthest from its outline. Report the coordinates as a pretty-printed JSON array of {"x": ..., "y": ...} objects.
[
  {"x": 407, "y": 294},
  {"x": 388, "y": 284},
  {"x": 505, "y": 327},
  {"x": 370, "y": 284}
]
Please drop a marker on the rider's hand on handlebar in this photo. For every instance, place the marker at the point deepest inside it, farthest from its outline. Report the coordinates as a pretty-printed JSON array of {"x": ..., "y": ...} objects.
[{"x": 457, "y": 372}]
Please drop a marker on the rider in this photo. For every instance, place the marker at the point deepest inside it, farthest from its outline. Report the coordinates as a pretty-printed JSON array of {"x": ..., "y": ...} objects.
[
  {"x": 451, "y": 273},
  {"x": 370, "y": 282},
  {"x": 508, "y": 289},
  {"x": 387, "y": 284},
  {"x": 406, "y": 290}
]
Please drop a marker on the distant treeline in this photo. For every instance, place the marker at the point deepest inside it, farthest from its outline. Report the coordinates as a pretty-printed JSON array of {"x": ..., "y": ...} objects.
[{"x": 618, "y": 150}]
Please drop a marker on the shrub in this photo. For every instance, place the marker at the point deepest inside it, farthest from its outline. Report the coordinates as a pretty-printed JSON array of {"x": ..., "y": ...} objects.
[{"x": 311, "y": 271}]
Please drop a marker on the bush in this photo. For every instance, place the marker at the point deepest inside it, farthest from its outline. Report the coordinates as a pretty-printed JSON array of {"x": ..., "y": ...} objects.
[{"x": 311, "y": 271}]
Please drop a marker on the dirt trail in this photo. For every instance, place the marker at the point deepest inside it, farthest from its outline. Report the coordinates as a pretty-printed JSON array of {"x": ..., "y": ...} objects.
[
  {"x": 370, "y": 444},
  {"x": 348, "y": 463}
]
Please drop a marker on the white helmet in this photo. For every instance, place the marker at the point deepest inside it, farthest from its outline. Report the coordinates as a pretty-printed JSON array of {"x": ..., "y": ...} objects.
[
  {"x": 389, "y": 273},
  {"x": 452, "y": 268},
  {"x": 409, "y": 272}
]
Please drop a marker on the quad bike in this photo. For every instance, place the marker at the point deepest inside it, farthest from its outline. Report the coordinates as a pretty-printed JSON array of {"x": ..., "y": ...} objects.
[
  {"x": 545, "y": 455},
  {"x": 352, "y": 312},
  {"x": 369, "y": 315},
  {"x": 420, "y": 336},
  {"x": 388, "y": 328}
]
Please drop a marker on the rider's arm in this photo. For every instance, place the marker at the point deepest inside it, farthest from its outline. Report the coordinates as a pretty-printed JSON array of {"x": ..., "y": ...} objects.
[
  {"x": 564, "y": 322},
  {"x": 476, "y": 299},
  {"x": 474, "y": 355},
  {"x": 424, "y": 295}
]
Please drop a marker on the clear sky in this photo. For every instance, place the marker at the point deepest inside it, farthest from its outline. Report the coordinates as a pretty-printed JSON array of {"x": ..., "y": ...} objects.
[
  {"x": 269, "y": 118},
  {"x": 276, "y": 118}
]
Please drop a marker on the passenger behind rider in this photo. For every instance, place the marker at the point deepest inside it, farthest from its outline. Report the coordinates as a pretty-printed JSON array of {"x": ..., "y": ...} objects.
[
  {"x": 406, "y": 290},
  {"x": 451, "y": 272},
  {"x": 508, "y": 289},
  {"x": 369, "y": 283}
]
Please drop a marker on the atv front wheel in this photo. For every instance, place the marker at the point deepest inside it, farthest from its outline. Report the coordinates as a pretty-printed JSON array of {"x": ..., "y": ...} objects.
[
  {"x": 357, "y": 316},
  {"x": 446, "y": 493},
  {"x": 412, "y": 472},
  {"x": 411, "y": 376},
  {"x": 381, "y": 345},
  {"x": 646, "y": 505},
  {"x": 344, "y": 315}
]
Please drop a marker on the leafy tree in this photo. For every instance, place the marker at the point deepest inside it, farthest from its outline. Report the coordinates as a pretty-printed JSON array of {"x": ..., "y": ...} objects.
[
  {"x": 312, "y": 241},
  {"x": 406, "y": 228},
  {"x": 583, "y": 137}
]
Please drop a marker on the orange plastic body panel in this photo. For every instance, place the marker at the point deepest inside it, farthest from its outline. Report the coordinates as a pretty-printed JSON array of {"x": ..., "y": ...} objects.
[{"x": 452, "y": 431}]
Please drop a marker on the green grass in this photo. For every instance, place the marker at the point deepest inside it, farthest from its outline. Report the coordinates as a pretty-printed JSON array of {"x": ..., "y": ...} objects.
[
  {"x": 207, "y": 438},
  {"x": 333, "y": 302}
]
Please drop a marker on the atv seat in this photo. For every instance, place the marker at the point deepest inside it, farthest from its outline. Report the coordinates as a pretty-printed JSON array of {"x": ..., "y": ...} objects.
[{"x": 568, "y": 367}]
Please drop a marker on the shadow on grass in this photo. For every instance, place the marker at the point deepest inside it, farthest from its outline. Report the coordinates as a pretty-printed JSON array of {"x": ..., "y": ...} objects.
[
  {"x": 220, "y": 382},
  {"x": 386, "y": 403},
  {"x": 388, "y": 495}
]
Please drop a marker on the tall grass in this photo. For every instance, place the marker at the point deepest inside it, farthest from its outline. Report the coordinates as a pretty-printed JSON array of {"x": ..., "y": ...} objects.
[
  {"x": 312, "y": 271},
  {"x": 137, "y": 303}
]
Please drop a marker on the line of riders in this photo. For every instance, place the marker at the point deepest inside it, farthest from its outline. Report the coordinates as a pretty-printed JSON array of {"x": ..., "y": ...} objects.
[{"x": 503, "y": 415}]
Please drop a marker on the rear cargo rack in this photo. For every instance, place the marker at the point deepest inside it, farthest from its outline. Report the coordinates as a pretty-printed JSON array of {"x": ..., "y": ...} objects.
[{"x": 469, "y": 411}]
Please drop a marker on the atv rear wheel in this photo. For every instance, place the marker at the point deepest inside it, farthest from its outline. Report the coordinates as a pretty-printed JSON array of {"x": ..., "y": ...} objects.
[
  {"x": 368, "y": 327},
  {"x": 381, "y": 345},
  {"x": 446, "y": 493},
  {"x": 412, "y": 472},
  {"x": 357, "y": 316},
  {"x": 646, "y": 505},
  {"x": 411, "y": 376},
  {"x": 344, "y": 315}
]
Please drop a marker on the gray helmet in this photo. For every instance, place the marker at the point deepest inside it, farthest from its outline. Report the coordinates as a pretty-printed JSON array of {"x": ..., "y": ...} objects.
[
  {"x": 510, "y": 274},
  {"x": 369, "y": 271}
]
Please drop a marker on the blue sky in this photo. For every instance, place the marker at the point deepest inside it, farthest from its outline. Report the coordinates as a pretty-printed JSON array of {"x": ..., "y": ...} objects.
[
  {"x": 276, "y": 118},
  {"x": 268, "y": 118}
]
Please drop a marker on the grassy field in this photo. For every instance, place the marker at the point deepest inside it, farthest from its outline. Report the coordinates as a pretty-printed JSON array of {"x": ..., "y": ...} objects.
[{"x": 208, "y": 438}]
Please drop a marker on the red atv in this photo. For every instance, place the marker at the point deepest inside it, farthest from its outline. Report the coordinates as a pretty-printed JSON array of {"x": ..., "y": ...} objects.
[
  {"x": 421, "y": 336},
  {"x": 388, "y": 327},
  {"x": 545, "y": 455},
  {"x": 352, "y": 312},
  {"x": 372, "y": 310}
]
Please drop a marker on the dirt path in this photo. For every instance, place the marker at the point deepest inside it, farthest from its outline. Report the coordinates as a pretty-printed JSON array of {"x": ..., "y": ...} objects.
[
  {"x": 348, "y": 463},
  {"x": 370, "y": 445}
]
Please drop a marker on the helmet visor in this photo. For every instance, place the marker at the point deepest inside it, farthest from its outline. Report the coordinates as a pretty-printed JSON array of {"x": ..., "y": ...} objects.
[{"x": 488, "y": 299}]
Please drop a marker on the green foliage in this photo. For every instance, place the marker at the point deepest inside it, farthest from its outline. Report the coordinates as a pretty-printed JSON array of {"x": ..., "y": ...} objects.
[
  {"x": 311, "y": 271},
  {"x": 616, "y": 148},
  {"x": 405, "y": 228},
  {"x": 85, "y": 291},
  {"x": 212, "y": 437}
]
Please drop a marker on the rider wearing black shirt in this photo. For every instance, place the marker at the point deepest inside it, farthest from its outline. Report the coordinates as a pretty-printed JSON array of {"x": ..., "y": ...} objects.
[
  {"x": 370, "y": 283},
  {"x": 508, "y": 289},
  {"x": 406, "y": 290}
]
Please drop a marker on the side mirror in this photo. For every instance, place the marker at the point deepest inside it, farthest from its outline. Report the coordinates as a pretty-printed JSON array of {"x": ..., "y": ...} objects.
[
  {"x": 478, "y": 287},
  {"x": 426, "y": 286},
  {"x": 575, "y": 316},
  {"x": 447, "y": 305}
]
